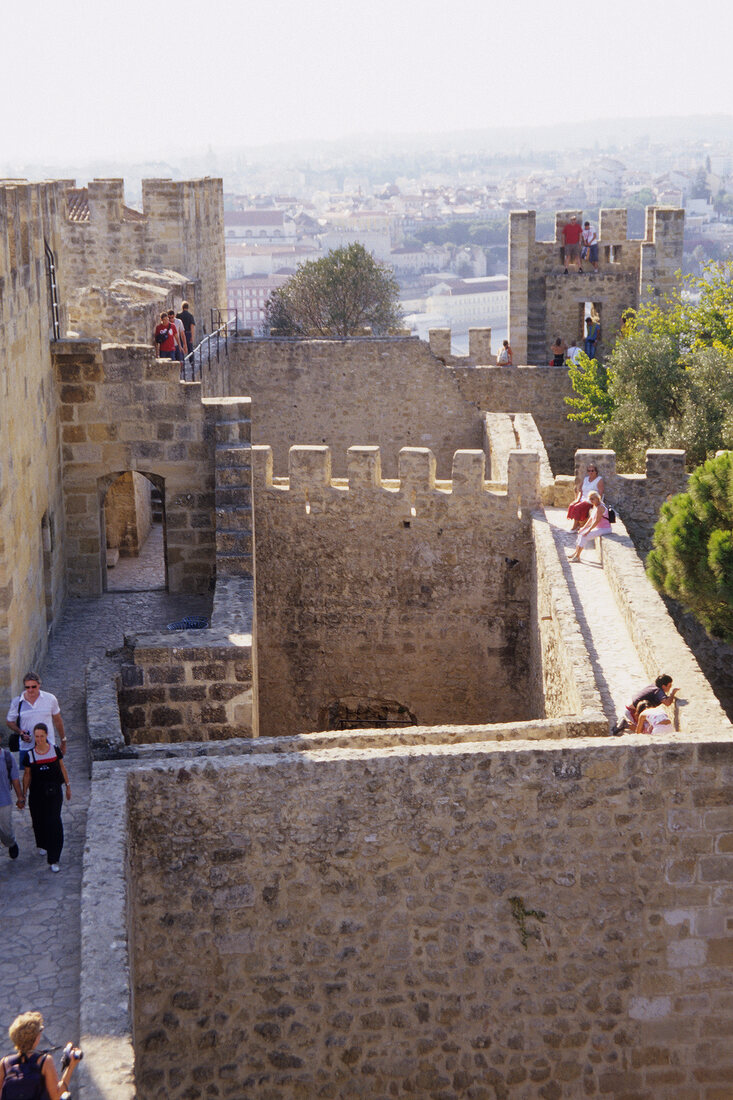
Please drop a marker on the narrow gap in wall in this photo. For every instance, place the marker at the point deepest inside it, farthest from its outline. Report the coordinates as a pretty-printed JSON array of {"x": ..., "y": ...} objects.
[{"x": 134, "y": 524}]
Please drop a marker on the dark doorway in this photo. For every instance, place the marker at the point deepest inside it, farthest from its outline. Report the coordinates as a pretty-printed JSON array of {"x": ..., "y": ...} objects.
[{"x": 133, "y": 513}]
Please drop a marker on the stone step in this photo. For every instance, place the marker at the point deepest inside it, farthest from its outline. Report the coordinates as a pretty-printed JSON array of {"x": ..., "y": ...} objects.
[
  {"x": 234, "y": 565},
  {"x": 233, "y": 454},
  {"x": 233, "y": 431},
  {"x": 233, "y": 542},
  {"x": 233, "y": 477},
  {"x": 234, "y": 519},
  {"x": 233, "y": 496}
]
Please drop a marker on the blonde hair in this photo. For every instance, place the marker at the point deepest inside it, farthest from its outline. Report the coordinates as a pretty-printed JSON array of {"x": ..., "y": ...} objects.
[{"x": 24, "y": 1031}]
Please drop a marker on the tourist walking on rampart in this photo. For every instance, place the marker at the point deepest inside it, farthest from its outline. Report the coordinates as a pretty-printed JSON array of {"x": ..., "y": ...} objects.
[
  {"x": 28, "y": 1073},
  {"x": 660, "y": 693},
  {"x": 596, "y": 525},
  {"x": 30, "y": 707},
  {"x": 165, "y": 338},
  {"x": 571, "y": 234},
  {"x": 189, "y": 327},
  {"x": 505, "y": 357},
  {"x": 179, "y": 353},
  {"x": 579, "y": 510},
  {"x": 9, "y": 782},
  {"x": 589, "y": 250},
  {"x": 44, "y": 776}
]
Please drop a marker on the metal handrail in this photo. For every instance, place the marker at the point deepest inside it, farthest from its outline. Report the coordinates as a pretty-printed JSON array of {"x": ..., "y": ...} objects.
[{"x": 209, "y": 347}]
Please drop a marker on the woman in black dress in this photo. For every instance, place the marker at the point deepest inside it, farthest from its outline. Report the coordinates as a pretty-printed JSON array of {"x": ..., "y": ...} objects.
[{"x": 44, "y": 776}]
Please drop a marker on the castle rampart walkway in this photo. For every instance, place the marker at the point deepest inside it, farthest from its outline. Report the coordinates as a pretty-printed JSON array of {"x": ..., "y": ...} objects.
[
  {"x": 41, "y": 911},
  {"x": 615, "y": 662}
]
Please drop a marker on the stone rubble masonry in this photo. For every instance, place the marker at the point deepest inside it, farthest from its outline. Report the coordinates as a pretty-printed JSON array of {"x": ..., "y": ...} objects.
[
  {"x": 193, "y": 685},
  {"x": 31, "y": 504},
  {"x": 128, "y": 514},
  {"x": 413, "y": 589},
  {"x": 127, "y": 311},
  {"x": 122, "y": 409},
  {"x": 506, "y": 432},
  {"x": 180, "y": 229},
  {"x": 539, "y": 391},
  {"x": 544, "y": 302},
  {"x": 390, "y": 393},
  {"x": 428, "y": 920}
]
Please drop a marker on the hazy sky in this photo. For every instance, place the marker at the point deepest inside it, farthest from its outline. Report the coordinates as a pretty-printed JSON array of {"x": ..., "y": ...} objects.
[{"x": 143, "y": 77}]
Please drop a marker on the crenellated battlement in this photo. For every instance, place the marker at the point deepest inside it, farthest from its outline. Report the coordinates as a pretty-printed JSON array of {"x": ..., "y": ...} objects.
[
  {"x": 310, "y": 478},
  {"x": 544, "y": 302}
]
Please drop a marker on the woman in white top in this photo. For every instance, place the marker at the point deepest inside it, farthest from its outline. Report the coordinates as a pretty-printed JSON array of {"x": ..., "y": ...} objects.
[{"x": 579, "y": 510}]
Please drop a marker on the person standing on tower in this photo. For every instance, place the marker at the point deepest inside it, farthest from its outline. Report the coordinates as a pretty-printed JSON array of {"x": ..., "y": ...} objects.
[{"x": 571, "y": 234}]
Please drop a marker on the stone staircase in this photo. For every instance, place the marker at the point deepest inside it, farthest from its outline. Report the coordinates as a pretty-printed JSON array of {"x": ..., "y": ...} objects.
[{"x": 233, "y": 490}]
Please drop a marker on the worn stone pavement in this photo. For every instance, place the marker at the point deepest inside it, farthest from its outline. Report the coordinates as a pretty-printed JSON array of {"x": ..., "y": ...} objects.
[
  {"x": 615, "y": 662},
  {"x": 143, "y": 573},
  {"x": 40, "y": 911}
]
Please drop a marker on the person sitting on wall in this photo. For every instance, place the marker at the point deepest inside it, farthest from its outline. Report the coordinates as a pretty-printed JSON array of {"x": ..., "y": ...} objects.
[
  {"x": 596, "y": 525},
  {"x": 504, "y": 358},
  {"x": 653, "y": 719},
  {"x": 558, "y": 350},
  {"x": 571, "y": 234},
  {"x": 658, "y": 694},
  {"x": 28, "y": 1073},
  {"x": 579, "y": 510}
]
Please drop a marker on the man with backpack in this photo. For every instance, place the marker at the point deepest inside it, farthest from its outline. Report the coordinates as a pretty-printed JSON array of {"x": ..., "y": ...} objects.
[
  {"x": 9, "y": 782},
  {"x": 28, "y": 1075}
]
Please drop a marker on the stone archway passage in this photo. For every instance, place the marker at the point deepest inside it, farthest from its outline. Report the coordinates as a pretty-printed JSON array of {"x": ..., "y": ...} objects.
[{"x": 133, "y": 520}]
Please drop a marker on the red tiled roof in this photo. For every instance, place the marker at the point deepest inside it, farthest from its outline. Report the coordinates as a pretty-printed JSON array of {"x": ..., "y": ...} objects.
[
  {"x": 77, "y": 207},
  {"x": 77, "y": 204}
]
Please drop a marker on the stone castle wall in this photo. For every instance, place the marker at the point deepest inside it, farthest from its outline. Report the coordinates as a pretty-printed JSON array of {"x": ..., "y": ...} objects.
[
  {"x": 436, "y": 921},
  {"x": 128, "y": 514},
  {"x": 544, "y": 302},
  {"x": 122, "y": 409},
  {"x": 409, "y": 591},
  {"x": 180, "y": 230},
  {"x": 388, "y": 393},
  {"x": 31, "y": 504}
]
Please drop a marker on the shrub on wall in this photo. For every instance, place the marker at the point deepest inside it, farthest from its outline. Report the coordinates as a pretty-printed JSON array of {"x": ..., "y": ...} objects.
[{"x": 692, "y": 558}]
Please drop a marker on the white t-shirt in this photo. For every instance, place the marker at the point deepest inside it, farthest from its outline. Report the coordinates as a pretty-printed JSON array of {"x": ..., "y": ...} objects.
[
  {"x": 589, "y": 236},
  {"x": 43, "y": 710}
]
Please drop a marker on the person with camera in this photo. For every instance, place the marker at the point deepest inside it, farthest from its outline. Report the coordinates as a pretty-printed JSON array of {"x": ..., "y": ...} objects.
[{"x": 29, "y": 1073}]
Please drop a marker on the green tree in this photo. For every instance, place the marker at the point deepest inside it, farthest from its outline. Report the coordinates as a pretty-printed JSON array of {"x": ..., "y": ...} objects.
[
  {"x": 337, "y": 296},
  {"x": 669, "y": 380},
  {"x": 692, "y": 558}
]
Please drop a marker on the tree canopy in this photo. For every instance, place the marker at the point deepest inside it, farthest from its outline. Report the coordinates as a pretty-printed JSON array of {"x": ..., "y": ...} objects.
[
  {"x": 669, "y": 380},
  {"x": 692, "y": 558},
  {"x": 337, "y": 296}
]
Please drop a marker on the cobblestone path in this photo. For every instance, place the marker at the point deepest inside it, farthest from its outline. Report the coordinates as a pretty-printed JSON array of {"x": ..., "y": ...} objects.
[
  {"x": 143, "y": 573},
  {"x": 41, "y": 911},
  {"x": 614, "y": 658}
]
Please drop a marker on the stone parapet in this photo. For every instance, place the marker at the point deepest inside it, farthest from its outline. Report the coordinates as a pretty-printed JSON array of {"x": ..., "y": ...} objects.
[
  {"x": 488, "y": 854},
  {"x": 562, "y": 679}
]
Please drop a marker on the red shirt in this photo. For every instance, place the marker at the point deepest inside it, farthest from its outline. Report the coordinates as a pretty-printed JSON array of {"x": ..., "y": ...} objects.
[
  {"x": 571, "y": 232},
  {"x": 170, "y": 341}
]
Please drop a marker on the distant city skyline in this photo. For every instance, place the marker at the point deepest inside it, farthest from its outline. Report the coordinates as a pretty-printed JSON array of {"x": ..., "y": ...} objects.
[{"x": 165, "y": 82}]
